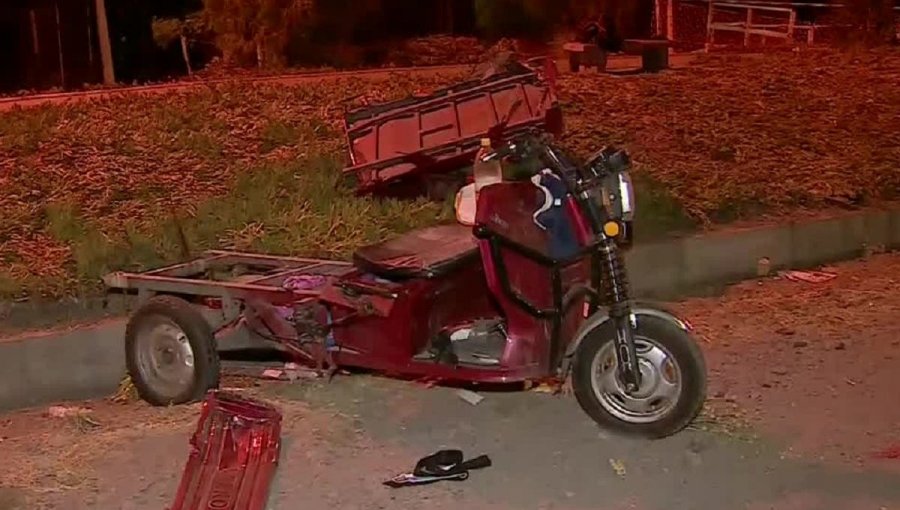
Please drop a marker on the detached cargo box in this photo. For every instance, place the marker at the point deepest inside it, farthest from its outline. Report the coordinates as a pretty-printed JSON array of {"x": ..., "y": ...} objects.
[{"x": 403, "y": 144}]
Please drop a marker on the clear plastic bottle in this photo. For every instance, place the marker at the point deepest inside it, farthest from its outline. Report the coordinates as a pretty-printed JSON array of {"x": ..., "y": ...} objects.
[{"x": 486, "y": 172}]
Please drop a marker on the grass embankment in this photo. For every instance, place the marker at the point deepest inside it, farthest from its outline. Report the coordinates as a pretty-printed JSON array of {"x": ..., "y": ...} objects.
[{"x": 134, "y": 182}]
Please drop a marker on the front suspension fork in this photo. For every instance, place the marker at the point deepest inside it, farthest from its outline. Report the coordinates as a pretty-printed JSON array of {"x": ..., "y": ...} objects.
[
  {"x": 628, "y": 366},
  {"x": 619, "y": 301}
]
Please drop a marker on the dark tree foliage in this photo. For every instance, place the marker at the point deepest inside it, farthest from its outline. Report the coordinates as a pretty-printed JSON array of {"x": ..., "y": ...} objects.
[
  {"x": 540, "y": 18},
  {"x": 871, "y": 22}
]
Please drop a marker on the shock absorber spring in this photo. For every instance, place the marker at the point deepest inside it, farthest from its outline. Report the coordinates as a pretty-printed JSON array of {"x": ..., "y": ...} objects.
[
  {"x": 619, "y": 302},
  {"x": 615, "y": 284}
]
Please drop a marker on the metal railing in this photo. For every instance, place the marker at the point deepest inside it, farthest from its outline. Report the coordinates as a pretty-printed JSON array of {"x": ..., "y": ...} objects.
[{"x": 770, "y": 11}]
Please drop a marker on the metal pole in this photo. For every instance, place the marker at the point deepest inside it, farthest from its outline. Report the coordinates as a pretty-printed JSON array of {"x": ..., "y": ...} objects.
[
  {"x": 747, "y": 25},
  {"x": 62, "y": 68},
  {"x": 657, "y": 13},
  {"x": 670, "y": 20},
  {"x": 109, "y": 75},
  {"x": 35, "y": 41},
  {"x": 792, "y": 22},
  {"x": 90, "y": 36}
]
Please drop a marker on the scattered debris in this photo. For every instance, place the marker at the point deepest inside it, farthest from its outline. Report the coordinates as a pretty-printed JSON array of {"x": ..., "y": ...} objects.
[
  {"x": 85, "y": 423},
  {"x": 236, "y": 438},
  {"x": 66, "y": 412},
  {"x": 288, "y": 372},
  {"x": 552, "y": 386},
  {"x": 545, "y": 387},
  {"x": 428, "y": 382},
  {"x": 272, "y": 373},
  {"x": 470, "y": 396},
  {"x": 618, "y": 466},
  {"x": 127, "y": 392},
  {"x": 890, "y": 453},
  {"x": 79, "y": 416},
  {"x": 440, "y": 466},
  {"x": 808, "y": 276}
]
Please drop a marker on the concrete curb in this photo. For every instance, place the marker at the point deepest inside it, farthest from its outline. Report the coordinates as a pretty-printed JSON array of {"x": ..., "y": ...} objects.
[
  {"x": 89, "y": 362},
  {"x": 679, "y": 267}
]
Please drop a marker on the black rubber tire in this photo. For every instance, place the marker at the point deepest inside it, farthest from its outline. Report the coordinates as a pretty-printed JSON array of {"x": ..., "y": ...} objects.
[
  {"x": 200, "y": 337},
  {"x": 687, "y": 355}
]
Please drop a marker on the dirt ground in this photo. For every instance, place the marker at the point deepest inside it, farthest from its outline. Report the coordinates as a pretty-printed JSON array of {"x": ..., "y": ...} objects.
[
  {"x": 803, "y": 381},
  {"x": 811, "y": 362}
]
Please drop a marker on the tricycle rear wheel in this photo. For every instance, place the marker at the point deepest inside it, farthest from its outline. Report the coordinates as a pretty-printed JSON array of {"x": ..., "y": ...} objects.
[
  {"x": 170, "y": 352},
  {"x": 673, "y": 385}
]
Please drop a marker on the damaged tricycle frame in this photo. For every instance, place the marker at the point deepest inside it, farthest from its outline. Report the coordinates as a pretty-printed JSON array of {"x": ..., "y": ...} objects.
[
  {"x": 451, "y": 303},
  {"x": 536, "y": 288}
]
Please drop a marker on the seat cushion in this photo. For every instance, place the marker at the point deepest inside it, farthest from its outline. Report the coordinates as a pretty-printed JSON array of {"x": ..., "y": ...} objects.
[{"x": 424, "y": 253}]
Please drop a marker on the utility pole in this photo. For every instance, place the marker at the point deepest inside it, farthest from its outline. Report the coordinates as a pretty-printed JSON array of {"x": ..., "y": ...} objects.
[{"x": 109, "y": 75}]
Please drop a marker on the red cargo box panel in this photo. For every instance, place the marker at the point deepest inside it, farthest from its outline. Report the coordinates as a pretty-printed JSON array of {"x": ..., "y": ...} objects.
[
  {"x": 402, "y": 139},
  {"x": 234, "y": 453}
]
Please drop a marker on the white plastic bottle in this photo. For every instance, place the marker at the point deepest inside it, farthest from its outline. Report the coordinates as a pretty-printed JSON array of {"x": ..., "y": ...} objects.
[{"x": 486, "y": 172}]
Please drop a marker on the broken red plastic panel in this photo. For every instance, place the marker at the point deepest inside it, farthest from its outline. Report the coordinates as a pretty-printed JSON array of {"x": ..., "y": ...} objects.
[
  {"x": 234, "y": 453},
  {"x": 890, "y": 453}
]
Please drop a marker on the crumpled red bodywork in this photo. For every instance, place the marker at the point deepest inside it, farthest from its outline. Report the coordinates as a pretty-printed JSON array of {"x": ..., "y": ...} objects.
[{"x": 234, "y": 453}]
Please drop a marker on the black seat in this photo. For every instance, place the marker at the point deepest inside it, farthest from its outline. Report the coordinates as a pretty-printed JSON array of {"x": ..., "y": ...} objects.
[{"x": 424, "y": 253}]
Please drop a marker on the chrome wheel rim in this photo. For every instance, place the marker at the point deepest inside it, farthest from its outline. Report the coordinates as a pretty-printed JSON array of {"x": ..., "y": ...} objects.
[
  {"x": 165, "y": 358},
  {"x": 661, "y": 383}
]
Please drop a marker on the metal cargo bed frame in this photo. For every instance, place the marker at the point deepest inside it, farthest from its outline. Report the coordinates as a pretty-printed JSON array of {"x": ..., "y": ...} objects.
[{"x": 251, "y": 275}]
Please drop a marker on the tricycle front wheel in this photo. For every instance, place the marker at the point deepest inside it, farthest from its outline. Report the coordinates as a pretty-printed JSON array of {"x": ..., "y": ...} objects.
[
  {"x": 170, "y": 352},
  {"x": 673, "y": 380}
]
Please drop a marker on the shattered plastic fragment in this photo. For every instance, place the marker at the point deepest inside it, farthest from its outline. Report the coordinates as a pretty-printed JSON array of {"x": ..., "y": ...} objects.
[
  {"x": 808, "y": 276},
  {"x": 470, "y": 397},
  {"x": 66, "y": 411},
  {"x": 618, "y": 466},
  {"x": 890, "y": 453},
  {"x": 234, "y": 453}
]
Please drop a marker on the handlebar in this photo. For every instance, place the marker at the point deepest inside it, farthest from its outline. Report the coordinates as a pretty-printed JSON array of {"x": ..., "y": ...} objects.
[
  {"x": 519, "y": 147},
  {"x": 509, "y": 148}
]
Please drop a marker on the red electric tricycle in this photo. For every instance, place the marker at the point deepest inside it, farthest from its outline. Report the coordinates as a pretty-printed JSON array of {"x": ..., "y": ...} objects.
[{"x": 535, "y": 289}]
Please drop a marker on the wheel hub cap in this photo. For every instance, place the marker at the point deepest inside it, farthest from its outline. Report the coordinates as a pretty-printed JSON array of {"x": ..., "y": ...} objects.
[
  {"x": 659, "y": 389},
  {"x": 165, "y": 358}
]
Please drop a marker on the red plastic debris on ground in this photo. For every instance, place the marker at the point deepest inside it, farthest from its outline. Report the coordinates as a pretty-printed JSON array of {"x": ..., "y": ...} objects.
[
  {"x": 809, "y": 276},
  {"x": 891, "y": 453},
  {"x": 234, "y": 453}
]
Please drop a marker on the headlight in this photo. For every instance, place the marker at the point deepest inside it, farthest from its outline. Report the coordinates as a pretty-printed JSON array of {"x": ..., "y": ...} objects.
[
  {"x": 626, "y": 195},
  {"x": 618, "y": 196}
]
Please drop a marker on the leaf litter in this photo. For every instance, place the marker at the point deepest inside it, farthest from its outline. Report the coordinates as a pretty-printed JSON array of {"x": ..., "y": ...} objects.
[{"x": 727, "y": 138}]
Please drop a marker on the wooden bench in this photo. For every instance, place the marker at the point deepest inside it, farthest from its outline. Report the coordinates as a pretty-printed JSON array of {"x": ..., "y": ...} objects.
[
  {"x": 585, "y": 55},
  {"x": 654, "y": 53}
]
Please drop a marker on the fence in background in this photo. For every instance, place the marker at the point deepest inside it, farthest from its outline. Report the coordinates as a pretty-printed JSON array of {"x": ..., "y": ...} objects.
[{"x": 706, "y": 24}]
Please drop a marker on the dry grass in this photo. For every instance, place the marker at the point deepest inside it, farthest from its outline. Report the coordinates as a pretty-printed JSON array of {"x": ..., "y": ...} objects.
[
  {"x": 134, "y": 182},
  {"x": 736, "y": 136},
  {"x": 57, "y": 454}
]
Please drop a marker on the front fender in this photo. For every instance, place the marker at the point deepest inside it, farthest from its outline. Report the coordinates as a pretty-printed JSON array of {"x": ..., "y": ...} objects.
[{"x": 601, "y": 317}]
